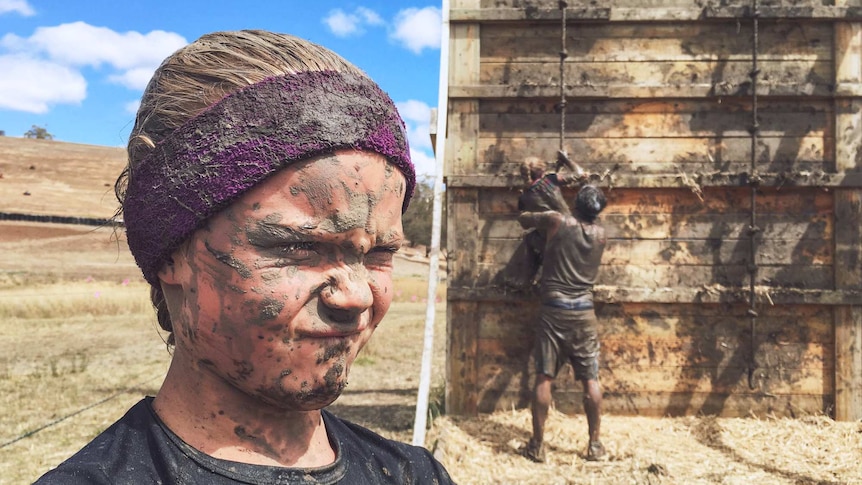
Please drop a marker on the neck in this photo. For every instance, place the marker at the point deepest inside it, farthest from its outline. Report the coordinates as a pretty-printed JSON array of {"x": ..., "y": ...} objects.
[{"x": 215, "y": 418}]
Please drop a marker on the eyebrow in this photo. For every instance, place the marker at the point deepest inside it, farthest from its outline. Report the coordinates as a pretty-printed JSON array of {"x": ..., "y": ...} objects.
[{"x": 264, "y": 233}]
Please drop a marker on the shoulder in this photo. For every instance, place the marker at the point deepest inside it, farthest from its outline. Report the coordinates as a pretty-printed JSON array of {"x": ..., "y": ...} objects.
[
  {"x": 124, "y": 444},
  {"x": 390, "y": 461}
]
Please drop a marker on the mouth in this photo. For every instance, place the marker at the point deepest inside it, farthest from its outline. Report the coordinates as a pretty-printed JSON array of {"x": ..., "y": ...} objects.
[{"x": 328, "y": 331}]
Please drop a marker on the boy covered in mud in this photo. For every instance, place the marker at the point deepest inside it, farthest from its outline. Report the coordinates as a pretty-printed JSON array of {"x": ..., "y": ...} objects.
[
  {"x": 567, "y": 329},
  {"x": 262, "y": 201}
]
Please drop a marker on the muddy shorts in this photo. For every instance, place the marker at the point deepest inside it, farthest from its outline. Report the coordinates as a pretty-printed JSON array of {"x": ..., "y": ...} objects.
[{"x": 566, "y": 335}]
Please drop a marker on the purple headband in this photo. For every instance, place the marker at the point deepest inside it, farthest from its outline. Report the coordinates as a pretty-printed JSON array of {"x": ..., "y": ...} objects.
[{"x": 238, "y": 142}]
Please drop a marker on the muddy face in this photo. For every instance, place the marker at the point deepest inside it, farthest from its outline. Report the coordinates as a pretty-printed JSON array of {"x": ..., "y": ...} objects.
[{"x": 278, "y": 293}]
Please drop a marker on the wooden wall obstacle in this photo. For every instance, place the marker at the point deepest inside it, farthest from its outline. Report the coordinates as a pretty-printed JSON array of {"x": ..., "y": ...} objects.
[{"x": 659, "y": 111}]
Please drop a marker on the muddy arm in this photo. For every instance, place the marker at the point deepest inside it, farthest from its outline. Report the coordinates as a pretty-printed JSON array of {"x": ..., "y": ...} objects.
[
  {"x": 539, "y": 220},
  {"x": 574, "y": 173}
]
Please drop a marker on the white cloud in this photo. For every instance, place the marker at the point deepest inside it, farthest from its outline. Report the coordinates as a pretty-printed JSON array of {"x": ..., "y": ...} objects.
[
  {"x": 369, "y": 16},
  {"x": 424, "y": 162},
  {"x": 132, "y": 106},
  {"x": 46, "y": 67},
  {"x": 417, "y": 29},
  {"x": 417, "y": 116},
  {"x": 81, "y": 44},
  {"x": 32, "y": 85},
  {"x": 20, "y": 7},
  {"x": 344, "y": 24},
  {"x": 414, "y": 110},
  {"x": 136, "y": 78},
  {"x": 341, "y": 24}
]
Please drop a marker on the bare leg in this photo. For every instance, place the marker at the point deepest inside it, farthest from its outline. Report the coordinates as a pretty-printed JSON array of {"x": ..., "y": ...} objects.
[
  {"x": 593, "y": 407},
  {"x": 541, "y": 404}
]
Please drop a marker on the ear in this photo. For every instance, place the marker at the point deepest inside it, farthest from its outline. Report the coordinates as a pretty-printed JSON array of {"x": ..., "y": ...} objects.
[{"x": 170, "y": 273}]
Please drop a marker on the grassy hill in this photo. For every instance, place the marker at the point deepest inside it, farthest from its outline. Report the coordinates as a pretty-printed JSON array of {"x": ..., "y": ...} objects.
[{"x": 62, "y": 179}]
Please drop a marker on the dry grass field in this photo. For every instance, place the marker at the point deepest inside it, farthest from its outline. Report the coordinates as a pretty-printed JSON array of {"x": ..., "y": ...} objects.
[{"x": 79, "y": 345}]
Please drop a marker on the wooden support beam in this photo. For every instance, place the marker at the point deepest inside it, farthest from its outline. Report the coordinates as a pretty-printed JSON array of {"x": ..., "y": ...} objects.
[
  {"x": 462, "y": 215},
  {"x": 664, "y": 14},
  {"x": 848, "y": 226},
  {"x": 632, "y": 91},
  {"x": 711, "y": 294},
  {"x": 676, "y": 180}
]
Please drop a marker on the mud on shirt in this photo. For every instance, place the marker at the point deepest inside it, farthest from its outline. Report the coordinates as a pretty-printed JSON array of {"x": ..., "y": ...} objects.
[{"x": 140, "y": 449}]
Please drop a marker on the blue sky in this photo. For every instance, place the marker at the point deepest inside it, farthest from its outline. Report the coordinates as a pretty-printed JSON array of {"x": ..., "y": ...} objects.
[{"x": 78, "y": 67}]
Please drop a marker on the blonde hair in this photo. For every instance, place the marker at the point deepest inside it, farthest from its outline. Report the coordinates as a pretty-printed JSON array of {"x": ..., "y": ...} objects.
[
  {"x": 200, "y": 74},
  {"x": 532, "y": 169}
]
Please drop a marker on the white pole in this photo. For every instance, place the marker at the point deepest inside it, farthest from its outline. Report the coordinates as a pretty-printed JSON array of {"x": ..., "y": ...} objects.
[{"x": 433, "y": 267}]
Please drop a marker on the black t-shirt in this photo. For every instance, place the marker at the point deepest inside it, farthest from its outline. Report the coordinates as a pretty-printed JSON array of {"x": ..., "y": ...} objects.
[{"x": 140, "y": 449}]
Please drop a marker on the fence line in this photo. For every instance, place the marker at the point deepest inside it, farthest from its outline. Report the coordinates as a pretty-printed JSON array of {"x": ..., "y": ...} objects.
[
  {"x": 83, "y": 221},
  {"x": 85, "y": 408}
]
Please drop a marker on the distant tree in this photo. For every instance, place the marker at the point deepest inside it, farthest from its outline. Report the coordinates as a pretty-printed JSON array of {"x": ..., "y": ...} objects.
[
  {"x": 2, "y": 133},
  {"x": 39, "y": 133},
  {"x": 419, "y": 216}
]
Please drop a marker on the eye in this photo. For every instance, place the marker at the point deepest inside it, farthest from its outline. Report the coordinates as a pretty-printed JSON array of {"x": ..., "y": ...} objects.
[
  {"x": 298, "y": 251},
  {"x": 381, "y": 256}
]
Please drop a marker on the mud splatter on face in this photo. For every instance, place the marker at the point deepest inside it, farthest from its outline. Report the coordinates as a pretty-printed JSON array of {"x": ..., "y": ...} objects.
[
  {"x": 341, "y": 348},
  {"x": 270, "y": 308},
  {"x": 332, "y": 379},
  {"x": 357, "y": 213},
  {"x": 269, "y": 232},
  {"x": 243, "y": 369},
  {"x": 229, "y": 260}
]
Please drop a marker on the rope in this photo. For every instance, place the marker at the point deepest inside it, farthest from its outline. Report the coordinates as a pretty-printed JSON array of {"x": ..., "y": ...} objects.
[
  {"x": 753, "y": 182},
  {"x": 563, "y": 55},
  {"x": 63, "y": 418}
]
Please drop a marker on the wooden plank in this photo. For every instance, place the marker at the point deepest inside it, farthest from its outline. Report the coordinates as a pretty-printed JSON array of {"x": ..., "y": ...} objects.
[
  {"x": 848, "y": 363},
  {"x": 780, "y": 325},
  {"x": 794, "y": 276},
  {"x": 660, "y": 404},
  {"x": 723, "y": 380},
  {"x": 462, "y": 235},
  {"x": 461, "y": 385},
  {"x": 654, "y": 155},
  {"x": 848, "y": 234},
  {"x": 726, "y": 78},
  {"x": 654, "y": 119},
  {"x": 461, "y": 330},
  {"x": 784, "y": 204},
  {"x": 668, "y": 276},
  {"x": 605, "y": 175},
  {"x": 784, "y": 41},
  {"x": 637, "y": 91},
  {"x": 719, "y": 201},
  {"x": 635, "y": 13},
  {"x": 848, "y": 112},
  {"x": 848, "y": 320},
  {"x": 691, "y": 252},
  {"x": 699, "y": 277},
  {"x": 650, "y": 4},
  {"x": 471, "y": 4},
  {"x": 462, "y": 137},
  {"x": 705, "y": 355},
  {"x": 848, "y": 239},
  {"x": 462, "y": 128},
  {"x": 505, "y": 233},
  {"x": 766, "y": 295}
]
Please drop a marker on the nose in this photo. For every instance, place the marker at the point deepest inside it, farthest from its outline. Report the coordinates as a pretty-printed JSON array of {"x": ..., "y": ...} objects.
[{"x": 348, "y": 294}]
